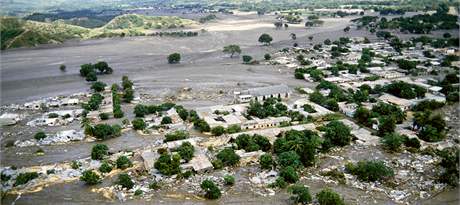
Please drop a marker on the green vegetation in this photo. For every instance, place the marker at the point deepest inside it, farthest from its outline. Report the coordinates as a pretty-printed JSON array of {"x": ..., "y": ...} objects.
[
  {"x": 125, "y": 181},
  {"x": 265, "y": 39},
  {"x": 370, "y": 170},
  {"x": 186, "y": 151},
  {"x": 329, "y": 197},
  {"x": 305, "y": 143},
  {"x": 90, "y": 177},
  {"x": 247, "y": 59},
  {"x": 139, "y": 23},
  {"x": 103, "y": 131},
  {"x": 104, "y": 116},
  {"x": 75, "y": 164},
  {"x": 23, "y": 178},
  {"x": 232, "y": 49},
  {"x": 405, "y": 90},
  {"x": 270, "y": 108},
  {"x": 40, "y": 135},
  {"x": 252, "y": 143},
  {"x": 337, "y": 134},
  {"x": 431, "y": 126},
  {"x": 393, "y": 141},
  {"x": 218, "y": 130},
  {"x": 207, "y": 18},
  {"x": 266, "y": 161},
  {"x": 301, "y": 194},
  {"x": 99, "y": 151},
  {"x": 450, "y": 163},
  {"x": 93, "y": 103},
  {"x": 123, "y": 162},
  {"x": 105, "y": 168},
  {"x": 176, "y": 135},
  {"x": 211, "y": 189},
  {"x": 174, "y": 58},
  {"x": 139, "y": 124},
  {"x": 229, "y": 180},
  {"x": 142, "y": 110},
  {"x": 168, "y": 165},
  {"x": 98, "y": 86},
  {"x": 228, "y": 157},
  {"x": 289, "y": 159}
]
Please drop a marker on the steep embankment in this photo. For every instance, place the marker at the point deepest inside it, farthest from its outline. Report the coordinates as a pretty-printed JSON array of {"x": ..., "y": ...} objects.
[{"x": 17, "y": 32}]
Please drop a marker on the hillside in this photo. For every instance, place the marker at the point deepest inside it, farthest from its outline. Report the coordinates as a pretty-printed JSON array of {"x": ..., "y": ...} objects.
[
  {"x": 25, "y": 33},
  {"x": 20, "y": 33}
]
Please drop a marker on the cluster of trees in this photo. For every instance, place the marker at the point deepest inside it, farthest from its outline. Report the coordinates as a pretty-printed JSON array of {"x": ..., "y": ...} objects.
[
  {"x": 449, "y": 88},
  {"x": 253, "y": 143},
  {"x": 428, "y": 105},
  {"x": 301, "y": 195},
  {"x": 116, "y": 102},
  {"x": 315, "y": 22},
  {"x": 450, "y": 163},
  {"x": 335, "y": 95},
  {"x": 141, "y": 110},
  {"x": 302, "y": 60},
  {"x": 219, "y": 130},
  {"x": 176, "y": 135},
  {"x": 207, "y": 18},
  {"x": 103, "y": 131},
  {"x": 431, "y": 126},
  {"x": 293, "y": 19},
  {"x": 212, "y": 191},
  {"x": 25, "y": 177},
  {"x": 315, "y": 74},
  {"x": 370, "y": 171},
  {"x": 227, "y": 157},
  {"x": 393, "y": 142},
  {"x": 93, "y": 103},
  {"x": 422, "y": 23},
  {"x": 436, "y": 42},
  {"x": 391, "y": 11},
  {"x": 336, "y": 134},
  {"x": 128, "y": 91},
  {"x": 138, "y": 124},
  {"x": 98, "y": 86},
  {"x": 89, "y": 70},
  {"x": 405, "y": 90},
  {"x": 270, "y": 108},
  {"x": 388, "y": 115},
  {"x": 176, "y": 34},
  {"x": 168, "y": 164},
  {"x": 186, "y": 151}
]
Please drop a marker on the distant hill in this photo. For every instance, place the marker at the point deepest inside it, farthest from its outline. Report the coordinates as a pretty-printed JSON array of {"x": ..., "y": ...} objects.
[
  {"x": 17, "y": 32},
  {"x": 21, "y": 33}
]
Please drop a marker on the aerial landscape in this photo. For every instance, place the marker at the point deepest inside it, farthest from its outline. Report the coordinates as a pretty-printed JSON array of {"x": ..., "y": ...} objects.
[{"x": 325, "y": 102}]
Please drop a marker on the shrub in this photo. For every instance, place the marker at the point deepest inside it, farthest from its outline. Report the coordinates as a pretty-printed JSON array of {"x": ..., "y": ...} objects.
[
  {"x": 23, "y": 178},
  {"x": 412, "y": 142},
  {"x": 329, "y": 197},
  {"x": 247, "y": 59},
  {"x": 280, "y": 183},
  {"x": 138, "y": 192},
  {"x": 201, "y": 125},
  {"x": 217, "y": 164},
  {"x": 174, "y": 58},
  {"x": 233, "y": 129},
  {"x": 105, "y": 167},
  {"x": 252, "y": 143},
  {"x": 229, "y": 180},
  {"x": 266, "y": 161},
  {"x": 176, "y": 135},
  {"x": 104, "y": 116},
  {"x": 267, "y": 56},
  {"x": 186, "y": 151},
  {"x": 370, "y": 170},
  {"x": 168, "y": 165},
  {"x": 138, "y": 124},
  {"x": 289, "y": 158},
  {"x": 166, "y": 120},
  {"x": 337, "y": 133},
  {"x": 308, "y": 108},
  {"x": 62, "y": 67},
  {"x": 141, "y": 110},
  {"x": 105, "y": 131},
  {"x": 289, "y": 174},
  {"x": 300, "y": 193},
  {"x": 40, "y": 135},
  {"x": 392, "y": 141},
  {"x": 98, "y": 86},
  {"x": 53, "y": 115},
  {"x": 90, "y": 177},
  {"x": 228, "y": 157},
  {"x": 75, "y": 164},
  {"x": 125, "y": 181},
  {"x": 335, "y": 174},
  {"x": 154, "y": 185},
  {"x": 50, "y": 171},
  {"x": 123, "y": 162},
  {"x": 218, "y": 131},
  {"x": 185, "y": 175},
  {"x": 211, "y": 189},
  {"x": 99, "y": 151}
]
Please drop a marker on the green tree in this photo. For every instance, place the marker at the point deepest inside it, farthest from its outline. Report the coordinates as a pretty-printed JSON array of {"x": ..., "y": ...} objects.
[
  {"x": 362, "y": 115},
  {"x": 90, "y": 177},
  {"x": 228, "y": 157},
  {"x": 337, "y": 133},
  {"x": 168, "y": 165},
  {"x": 123, "y": 162},
  {"x": 125, "y": 181},
  {"x": 266, "y": 161},
  {"x": 370, "y": 170},
  {"x": 392, "y": 141},
  {"x": 329, "y": 197},
  {"x": 218, "y": 130},
  {"x": 139, "y": 124},
  {"x": 232, "y": 49},
  {"x": 98, "y": 86},
  {"x": 301, "y": 194},
  {"x": 166, "y": 120},
  {"x": 40, "y": 135},
  {"x": 174, "y": 58},
  {"x": 99, "y": 151},
  {"x": 247, "y": 59},
  {"x": 386, "y": 125},
  {"x": 265, "y": 39},
  {"x": 211, "y": 189},
  {"x": 267, "y": 56},
  {"x": 186, "y": 151},
  {"x": 229, "y": 180},
  {"x": 289, "y": 158},
  {"x": 105, "y": 168},
  {"x": 289, "y": 174}
]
